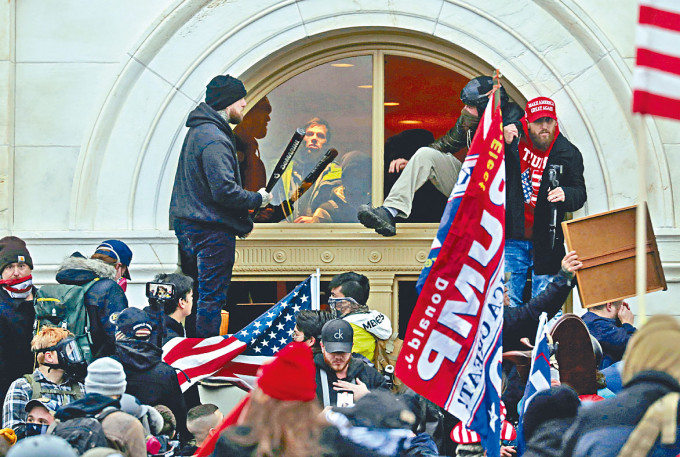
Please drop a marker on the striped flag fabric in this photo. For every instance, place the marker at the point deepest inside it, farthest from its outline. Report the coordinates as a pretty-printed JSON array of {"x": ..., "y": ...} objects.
[
  {"x": 539, "y": 375},
  {"x": 656, "y": 78},
  {"x": 237, "y": 358},
  {"x": 461, "y": 435}
]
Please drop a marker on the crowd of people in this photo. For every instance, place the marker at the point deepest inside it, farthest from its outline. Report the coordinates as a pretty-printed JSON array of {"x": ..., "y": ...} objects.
[{"x": 81, "y": 371}]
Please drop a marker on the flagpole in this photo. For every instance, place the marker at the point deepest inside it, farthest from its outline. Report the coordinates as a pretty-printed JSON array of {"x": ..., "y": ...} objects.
[
  {"x": 641, "y": 222},
  {"x": 316, "y": 290}
]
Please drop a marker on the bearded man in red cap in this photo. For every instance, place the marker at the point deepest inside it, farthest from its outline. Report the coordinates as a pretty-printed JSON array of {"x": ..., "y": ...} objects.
[{"x": 544, "y": 180}]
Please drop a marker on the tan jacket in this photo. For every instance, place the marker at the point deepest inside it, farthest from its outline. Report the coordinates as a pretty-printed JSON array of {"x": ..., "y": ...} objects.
[{"x": 126, "y": 433}]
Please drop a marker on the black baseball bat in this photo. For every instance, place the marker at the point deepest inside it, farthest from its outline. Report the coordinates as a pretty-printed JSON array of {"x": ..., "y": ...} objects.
[
  {"x": 279, "y": 212},
  {"x": 310, "y": 179},
  {"x": 285, "y": 158}
]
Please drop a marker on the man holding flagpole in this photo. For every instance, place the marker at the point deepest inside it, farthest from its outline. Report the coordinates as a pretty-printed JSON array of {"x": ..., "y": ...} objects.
[{"x": 452, "y": 349}]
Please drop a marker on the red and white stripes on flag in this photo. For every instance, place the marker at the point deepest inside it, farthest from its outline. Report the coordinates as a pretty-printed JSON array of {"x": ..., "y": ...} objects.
[{"x": 656, "y": 78}]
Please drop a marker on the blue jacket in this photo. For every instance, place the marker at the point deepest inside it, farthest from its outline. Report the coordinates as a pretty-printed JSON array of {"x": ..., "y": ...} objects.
[
  {"x": 102, "y": 300},
  {"x": 611, "y": 337},
  {"x": 208, "y": 186},
  {"x": 601, "y": 429}
]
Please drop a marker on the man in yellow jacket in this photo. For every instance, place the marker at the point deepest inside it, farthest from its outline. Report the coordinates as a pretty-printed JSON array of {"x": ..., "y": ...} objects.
[{"x": 348, "y": 296}]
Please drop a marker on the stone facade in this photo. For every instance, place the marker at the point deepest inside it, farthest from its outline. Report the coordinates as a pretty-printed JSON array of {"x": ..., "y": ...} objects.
[{"x": 94, "y": 95}]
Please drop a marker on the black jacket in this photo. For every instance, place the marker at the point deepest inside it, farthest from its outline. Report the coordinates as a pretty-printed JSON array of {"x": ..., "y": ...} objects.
[
  {"x": 151, "y": 380},
  {"x": 546, "y": 260},
  {"x": 208, "y": 186},
  {"x": 16, "y": 331},
  {"x": 615, "y": 418},
  {"x": 357, "y": 369},
  {"x": 522, "y": 321},
  {"x": 89, "y": 405},
  {"x": 104, "y": 298}
]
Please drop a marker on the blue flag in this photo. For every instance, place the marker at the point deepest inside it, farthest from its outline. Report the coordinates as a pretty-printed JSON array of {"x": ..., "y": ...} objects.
[{"x": 539, "y": 376}]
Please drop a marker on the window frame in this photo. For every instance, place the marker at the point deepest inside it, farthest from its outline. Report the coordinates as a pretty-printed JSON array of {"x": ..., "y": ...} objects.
[{"x": 297, "y": 58}]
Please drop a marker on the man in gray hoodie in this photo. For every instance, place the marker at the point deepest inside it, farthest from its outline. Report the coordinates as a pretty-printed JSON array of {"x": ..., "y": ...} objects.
[{"x": 209, "y": 204}]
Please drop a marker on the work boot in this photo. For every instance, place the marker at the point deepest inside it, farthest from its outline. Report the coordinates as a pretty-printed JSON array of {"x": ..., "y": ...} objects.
[{"x": 378, "y": 218}]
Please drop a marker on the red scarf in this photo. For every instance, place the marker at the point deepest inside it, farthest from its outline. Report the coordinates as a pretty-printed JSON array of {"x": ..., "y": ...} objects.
[
  {"x": 532, "y": 162},
  {"x": 18, "y": 287}
]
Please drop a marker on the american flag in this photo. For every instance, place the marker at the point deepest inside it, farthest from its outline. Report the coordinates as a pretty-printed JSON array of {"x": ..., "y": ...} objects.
[
  {"x": 656, "y": 78},
  {"x": 237, "y": 357},
  {"x": 526, "y": 186}
]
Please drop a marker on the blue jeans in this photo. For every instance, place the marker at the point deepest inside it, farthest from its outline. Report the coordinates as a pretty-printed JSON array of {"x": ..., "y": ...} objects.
[
  {"x": 210, "y": 255},
  {"x": 519, "y": 258}
]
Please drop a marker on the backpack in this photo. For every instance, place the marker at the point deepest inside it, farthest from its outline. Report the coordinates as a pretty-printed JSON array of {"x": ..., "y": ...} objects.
[
  {"x": 61, "y": 305},
  {"x": 39, "y": 391},
  {"x": 386, "y": 354},
  {"x": 85, "y": 433}
]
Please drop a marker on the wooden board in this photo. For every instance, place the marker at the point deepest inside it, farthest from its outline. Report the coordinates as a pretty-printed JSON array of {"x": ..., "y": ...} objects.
[{"x": 605, "y": 243}]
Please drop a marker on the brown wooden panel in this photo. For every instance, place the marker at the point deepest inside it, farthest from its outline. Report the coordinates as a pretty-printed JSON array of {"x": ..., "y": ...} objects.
[{"x": 605, "y": 243}]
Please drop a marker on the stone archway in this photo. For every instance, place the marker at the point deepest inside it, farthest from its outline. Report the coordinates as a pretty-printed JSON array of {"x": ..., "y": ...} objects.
[{"x": 139, "y": 128}]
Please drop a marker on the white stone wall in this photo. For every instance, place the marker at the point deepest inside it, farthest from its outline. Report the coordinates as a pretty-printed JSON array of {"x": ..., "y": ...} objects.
[{"x": 94, "y": 95}]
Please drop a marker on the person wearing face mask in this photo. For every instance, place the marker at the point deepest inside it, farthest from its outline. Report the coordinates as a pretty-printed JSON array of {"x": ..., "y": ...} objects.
[
  {"x": 103, "y": 296},
  {"x": 438, "y": 163},
  {"x": 59, "y": 364},
  {"x": 119, "y": 255},
  {"x": 40, "y": 415},
  {"x": 348, "y": 297},
  {"x": 16, "y": 311}
]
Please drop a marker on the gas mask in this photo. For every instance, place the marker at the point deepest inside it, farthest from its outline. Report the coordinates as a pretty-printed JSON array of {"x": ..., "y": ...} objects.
[
  {"x": 69, "y": 358},
  {"x": 33, "y": 429},
  {"x": 341, "y": 306}
]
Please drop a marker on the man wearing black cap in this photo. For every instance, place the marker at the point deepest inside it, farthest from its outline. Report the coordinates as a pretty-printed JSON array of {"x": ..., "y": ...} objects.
[
  {"x": 16, "y": 311},
  {"x": 342, "y": 379},
  {"x": 151, "y": 380},
  {"x": 209, "y": 204},
  {"x": 437, "y": 162}
]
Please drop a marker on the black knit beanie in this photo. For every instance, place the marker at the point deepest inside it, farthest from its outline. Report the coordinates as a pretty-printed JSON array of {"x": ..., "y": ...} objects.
[
  {"x": 558, "y": 402},
  {"x": 13, "y": 249},
  {"x": 222, "y": 91}
]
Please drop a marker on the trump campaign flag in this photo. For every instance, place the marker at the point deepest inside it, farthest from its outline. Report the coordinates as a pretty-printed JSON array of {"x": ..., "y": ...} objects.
[
  {"x": 452, "y": 349},
  {"x": 656, "y": 78},
  {"x": 237, "y": 357}
]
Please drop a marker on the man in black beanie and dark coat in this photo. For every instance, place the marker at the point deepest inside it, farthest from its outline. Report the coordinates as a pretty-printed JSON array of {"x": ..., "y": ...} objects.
[
  {"x": 209, "y": 204},
  {"x": 16, "y": 311}
]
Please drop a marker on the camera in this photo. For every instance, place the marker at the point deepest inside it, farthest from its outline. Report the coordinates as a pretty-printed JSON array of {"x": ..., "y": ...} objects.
[{"x": 158, "y": 291}]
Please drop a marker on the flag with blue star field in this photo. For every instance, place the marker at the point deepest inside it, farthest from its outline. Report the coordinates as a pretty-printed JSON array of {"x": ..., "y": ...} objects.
[{"x": 236, "y": 358}]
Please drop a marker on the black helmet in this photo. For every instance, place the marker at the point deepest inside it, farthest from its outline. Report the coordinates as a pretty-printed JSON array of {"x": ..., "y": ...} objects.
[
  {"x": 51, "y": 445},
  {"x": 475, "y": 93}
]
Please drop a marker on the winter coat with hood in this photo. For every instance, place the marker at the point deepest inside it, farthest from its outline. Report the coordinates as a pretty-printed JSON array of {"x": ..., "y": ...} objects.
[
  {"x": 119, "y": 427},
  {"x": 151, "y": 380},
  {"x": 616, "y": 418},
  {"x": 16, "y": 331},
  {"x": 102, "y": 300},
  {"x": 546, "y": 259},
  {"x": 208, "y": 187},
  {"x": 356, "y": 369}
]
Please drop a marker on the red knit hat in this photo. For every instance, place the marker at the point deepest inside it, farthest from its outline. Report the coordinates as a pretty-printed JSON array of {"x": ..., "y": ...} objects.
[
  {"x": 291, "y": 376},
  {"x": 540, "y": 107}
]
